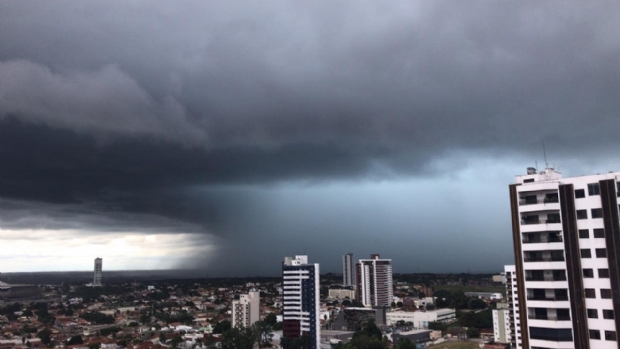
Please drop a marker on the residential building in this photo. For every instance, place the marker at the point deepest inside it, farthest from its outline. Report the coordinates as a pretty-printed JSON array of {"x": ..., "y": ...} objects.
[
  {"x": 374, "y": 281},
  {"x": 98, "y": 272},
  {"x": 300, "y": 312},
  {"x": 567, "y": 259},
  {"x": 513, "y": 306},
  {"x": 246, "y": 310},
  {"x": 420, "y": 319},
  {"x": 348, "y": 270},
  {"x": 501, "y": 323}
]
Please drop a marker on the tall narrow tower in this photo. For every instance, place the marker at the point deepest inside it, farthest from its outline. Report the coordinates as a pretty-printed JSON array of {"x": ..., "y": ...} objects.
[
  {"x": 98, "y": 271},
  {"x": 300, "y": 283},
  {"x": 348, "y": 270}
]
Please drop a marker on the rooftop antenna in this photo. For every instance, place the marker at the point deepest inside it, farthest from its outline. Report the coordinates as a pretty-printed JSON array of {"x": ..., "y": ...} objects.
[{"x": 545, "y": 154}]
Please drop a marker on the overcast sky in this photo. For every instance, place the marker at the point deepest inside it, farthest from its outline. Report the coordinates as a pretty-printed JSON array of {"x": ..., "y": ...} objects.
[{"x": 224, "y": 136}]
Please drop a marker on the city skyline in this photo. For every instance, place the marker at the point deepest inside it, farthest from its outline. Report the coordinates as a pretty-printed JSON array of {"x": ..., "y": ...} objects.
[{"x": 220, "y": 136}]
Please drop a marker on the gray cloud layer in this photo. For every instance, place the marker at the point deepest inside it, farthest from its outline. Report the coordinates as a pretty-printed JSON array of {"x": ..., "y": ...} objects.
[{"x": 142, "y": 110}]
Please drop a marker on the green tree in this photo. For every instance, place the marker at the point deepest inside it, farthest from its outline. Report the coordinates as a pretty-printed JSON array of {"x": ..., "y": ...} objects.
[
  {"x": 174, "y": 342},
  {"x": 162, "y": 338},
  {"x": 239, "y": 338},
  {"x": 222, "y": 327},
  {"x": 476, "y": 303},
  {"x": 44, "y": 335},
  {"x": 404, "y": 343},
  {"x": 263, "y": 334},
  {"x": 271, "y": 319},
  {"x": 473, "y": 332}
]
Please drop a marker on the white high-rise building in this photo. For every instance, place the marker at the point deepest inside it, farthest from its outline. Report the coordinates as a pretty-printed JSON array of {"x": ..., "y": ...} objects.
[
  {"x": 98, "y": 272},
  {"x": 301, "y": 301},
  {"x": 566, "y": 234},
  {"x": 506, "y": 328},
  {"x": 246, "y": 310},
  {"x": 374, "y": 281},
  {"x": 348, "y": 270}
]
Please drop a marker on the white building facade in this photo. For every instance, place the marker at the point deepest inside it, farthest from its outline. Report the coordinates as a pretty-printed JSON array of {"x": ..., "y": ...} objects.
[
  {"x": 501, "y": 323},
  {"x": 514, "y": 336},
  {"x": 246, "y": 310},
  {"x": 374, "y": 281},
  {"x": 301, "y": 302},
  {"x": 420, "y": 319},
  {"x": 566, "y": 234}
]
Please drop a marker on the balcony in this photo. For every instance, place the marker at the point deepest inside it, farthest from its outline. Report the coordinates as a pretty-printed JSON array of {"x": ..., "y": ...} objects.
[
  {"x": 548, "y": 317},
  {"x": 544, "y": 259},
  {"x": 540, "y": 221},
  {"x": 541, "y": 240},
  {"x": 547, "y": 298},
  {"x": 545, "y": 278},
  {"x": 548, "y": 200}
]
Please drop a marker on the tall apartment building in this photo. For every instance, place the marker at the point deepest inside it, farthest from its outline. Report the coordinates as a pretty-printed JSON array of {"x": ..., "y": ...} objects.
[
  {"x": 501, "y": 323},
  {"x": 348, "y": 270},
  {"x": 98, "y": 272},
  {"x": 300, "y": 312},
  {"x": 506, "y": 318},
  {"x": 374, "y": 281},
  {"x": 514, "y": 316},
  {"x": 246, "y": 310},
  {"x": 566, "y": 234}
]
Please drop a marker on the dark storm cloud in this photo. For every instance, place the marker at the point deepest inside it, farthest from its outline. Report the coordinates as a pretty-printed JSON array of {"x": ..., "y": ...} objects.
[{"x": 150, "y": 115}]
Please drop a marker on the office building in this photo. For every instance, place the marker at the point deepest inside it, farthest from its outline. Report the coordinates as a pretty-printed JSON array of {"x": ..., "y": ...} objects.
[
  {"x": 98, "y": 272},
  {"x": 246, "y": 310},
  {"x": 300, "y": 311},
  {"x": 374, "y": 281},
  {"x": 348, "y": 270},
  {"x": 566, "y": 235},
  {"x": 421, "y": 319}
]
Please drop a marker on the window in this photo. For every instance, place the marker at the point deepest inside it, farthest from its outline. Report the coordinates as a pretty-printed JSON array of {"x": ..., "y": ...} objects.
[
  {"x": 595, "y": 334},
  {"x": 586, "y": 253},
  {"x": 584, "y": 233},
  {"x": 597, "y": 213},
  {"x": 590, "y": 293},
  {"x": 601, "y": 253},
  {"x": 599, "y": 233},
  {"x": 592, "y": 314},
  {"x": 608, "y": 314},
  {"x": 528, "y": 180},
  {"x": 552, "y": 334},
  {"x": 605, "y": 293},
  {"x": 580, "y": 193},
  {"x": 582, "y": 214},
  {"x": 603, "y": 273},
  {"x": 610, "y": 335},
  {"x": 553, "y": 218},
  {"x": 593, "y": 189},
  {"x": 588, "y": 273}
]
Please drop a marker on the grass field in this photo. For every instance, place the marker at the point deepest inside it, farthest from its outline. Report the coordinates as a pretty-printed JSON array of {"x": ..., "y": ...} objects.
[{"x": 456, "y": 345}]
